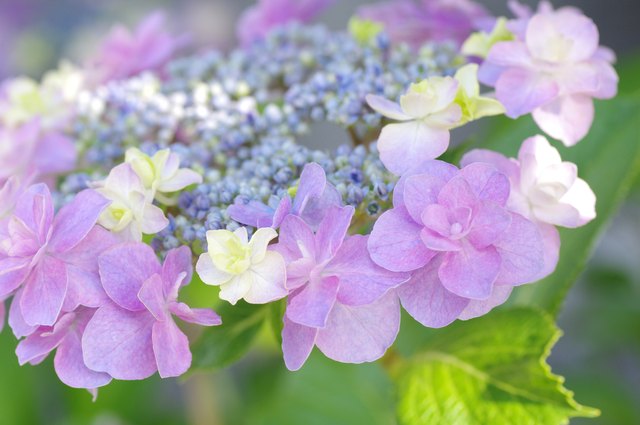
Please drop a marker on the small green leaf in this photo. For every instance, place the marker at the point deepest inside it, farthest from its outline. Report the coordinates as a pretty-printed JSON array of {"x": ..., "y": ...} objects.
[
  {"x": 608, "y": 159},
  {"x": 490, "y": 370},
  {"x": 220, "y": 346}
]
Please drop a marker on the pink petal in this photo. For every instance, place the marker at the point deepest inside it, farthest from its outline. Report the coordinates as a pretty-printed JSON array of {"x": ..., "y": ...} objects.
[
  {"x": 297, "y": 343},
  {"x": 438, "y": 170},
  {"x": 507, "y": 54},
  {"x": 296, "y": 239},
  {"x": 123, "y": 269},
  {"x": 35, "y": 209},
  {"x": 152, "y": 296},
  {"x": 489, "y": 223},
  {"x": 457, "y": 193},
  {"x": 470, "y": 273},
  {"x": 171, "y": 348},
  {"x": 551, "y": 250},
  {"x": 487, "y": 182},
  {"x": 118, "y": 342},
  {"x": 19, "y": 327},
  {"x": 13, "y": 272},
  {"x": 421, "y": 191},
  {"x": 69, "y": 363},
  {"x": 56, "y": 154},
  {"x": 44, "y": 292},
  {"x": 477, "y": 308},
  {"x": 567, "y": 119},
  {"x": 3, "y": 314},
  {"x": 503, "y": 164},
  {"x": 521, "y": 250},
  {"x": 403, "y": 146},
  {"x": 395, "y": 242},
  {"x": 332, "y": 231},
  {"x": 427, "y": 301},
  {"x": 521, "y": 91},
  {"x": 39, "y": 344},
  {"x": 386, "y": 108},
  {"x": 74, "y": 221},
  {"x": 580, "y": 33},
  {"x": 437, "y": 242},
  {"x": 198, "y": 316},
  {"x": 361, "y": 334},
  {"x": 177, "y": 263},
  {"x": 310, "y": 305},
  {"x": 361, "y": 280}
]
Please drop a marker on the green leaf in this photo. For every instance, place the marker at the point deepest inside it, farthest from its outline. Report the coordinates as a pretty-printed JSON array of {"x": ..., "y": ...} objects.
[
  {"x": 608, "y": 159},
  {"x": 276, "y": 321},
  {"x": 220, "y": 346},
  {"x": 490, "y": 370}
]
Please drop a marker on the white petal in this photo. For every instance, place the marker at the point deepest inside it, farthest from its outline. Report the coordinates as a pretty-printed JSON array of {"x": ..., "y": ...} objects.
[
  {"x": 259, "y": 242},
  {"x": 236, "y": 288},
  {"x": 269, "y": 277},
  {"x": 209, "y": 273},
  {"x": 386, "y": 108}
]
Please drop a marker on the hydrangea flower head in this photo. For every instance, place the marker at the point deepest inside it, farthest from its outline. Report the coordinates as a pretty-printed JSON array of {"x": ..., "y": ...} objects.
[
  {"x": 451, "y": 229},
  {"x": 243, "y": 268},
  {"x": 553, "y": 72},
  {"x": 332, "y": 280},
  {"x": 125, "y": 54},
  {"x": 161, "y": 173},
  {"x": 130, "y": 213},
  {"x": 427, "y": 112},
  {"x": 134, "y": 335},
  {"x": 51, "y": 258}
]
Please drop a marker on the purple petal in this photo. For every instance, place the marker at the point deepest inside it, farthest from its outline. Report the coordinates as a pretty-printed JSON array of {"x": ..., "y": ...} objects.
[
  {"x": 470, "y": 273},
  {"x": 296, "y": 239},
  {"x": 551, "y": 250},
  {"x": 18, "y": 326},
  {"x": 419, "y": 192},
  {"x": 69, "y": 363},
  {"x": 123, "y": 269},
  {"x": 297, "y": 343},
  {"x": 522, "y": 91},
  {"x": 118, "y": 342},
  {"x": 503, "y": 164},
  {"x": 44, "y": 340},
  {"x": 489, "y": 223},
  {"x": 332, "y": 231},
  {"x": 395, "y": 242},
  {"x": 436, "y": 242},
  {"x": 75, "y": 220},
  {"x": 567, "y": 119},
  {"x": 403, "y": 146},
  {"x": 284, "y": 209},
  {"x": 311, "y": 305},
  {"x": 152, "y": 296},
  {"x": 198, "y": 316},
  {"x": 477, "y": 308},
  {"x": 3, "y": 314},
  {"x": 487, "y": 182},
  {"x": 56, "y": 154},
  {"x": 177, "y": 264},
  {"x": 427, "y": 301},
  {"x": 35, "y": 209},
  {"x": 438, "y": 170},
  {"x": 255, "y": 214},
  {"x": 521, "y": 250},
  {"x": 171, "y": 348},
  {"x": 573, "y": 28},
  {"x": 507, "y": 54},
  {"x": 316, "y": 208},
  {"x": 44, "y": 292},
  {"x": 361, "y": 334},
  {"x": 312, "y": 183},
  {"x": 361, "y": 280},
  {"x": 457, "y": 193},
  {"x": 13, "y": 272},
  {"x": 85, "y": 287}
]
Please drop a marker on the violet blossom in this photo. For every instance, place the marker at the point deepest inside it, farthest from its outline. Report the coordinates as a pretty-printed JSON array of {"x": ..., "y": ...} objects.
[
  {"x": 553, "y": 69},
  {"x": 451, "y": 229},
  {"x": 340, "y": 301},
  {"x": 134, "y": 334},
  {"x": 51, "y": 259}
]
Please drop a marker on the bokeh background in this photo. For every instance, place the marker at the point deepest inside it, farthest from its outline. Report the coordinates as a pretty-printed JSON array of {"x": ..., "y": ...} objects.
[{"x": 599, "y": 354}]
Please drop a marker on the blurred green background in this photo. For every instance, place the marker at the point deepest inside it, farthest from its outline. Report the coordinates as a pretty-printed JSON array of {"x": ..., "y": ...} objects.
[{"x": 599, "y": 354}]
